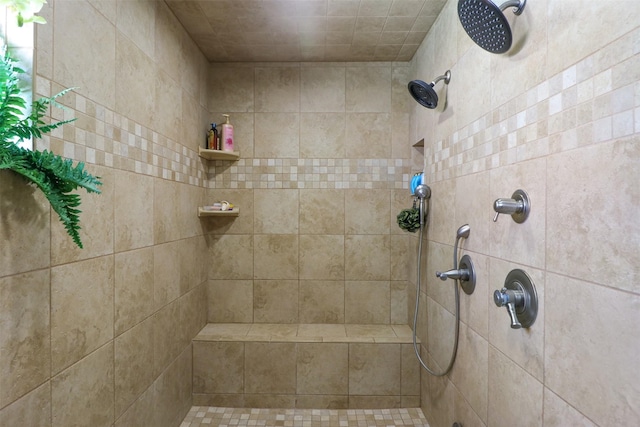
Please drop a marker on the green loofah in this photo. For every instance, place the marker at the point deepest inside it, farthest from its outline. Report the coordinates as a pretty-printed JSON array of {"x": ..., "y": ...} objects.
[{"x": 409, "y": 219}]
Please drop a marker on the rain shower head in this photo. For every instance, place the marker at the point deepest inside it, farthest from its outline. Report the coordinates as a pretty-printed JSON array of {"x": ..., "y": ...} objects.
[
  {"x": 424, "y": 93},
  {"x": 485, "y": 23}
]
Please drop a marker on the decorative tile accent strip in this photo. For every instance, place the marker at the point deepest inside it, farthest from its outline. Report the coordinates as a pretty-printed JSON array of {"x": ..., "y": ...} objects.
[
  {"x": 223, "y": 417},
  {"x": 311, "y": 173},
  {"x": 593, "y": 101}
]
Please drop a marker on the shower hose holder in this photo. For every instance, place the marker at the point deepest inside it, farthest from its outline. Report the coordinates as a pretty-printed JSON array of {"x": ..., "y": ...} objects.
[
  {"x": 466, "y": 274},
  {"x": 520, "y": 298}
]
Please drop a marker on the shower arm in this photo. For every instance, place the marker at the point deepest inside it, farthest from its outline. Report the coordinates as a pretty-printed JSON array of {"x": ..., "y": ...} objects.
[
  {"x": 517, "y": 4},
  {"x": 446, "y": 77}
]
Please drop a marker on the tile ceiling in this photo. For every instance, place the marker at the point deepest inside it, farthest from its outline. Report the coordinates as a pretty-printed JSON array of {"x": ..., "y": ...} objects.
[{"x": 307, "y": 30}]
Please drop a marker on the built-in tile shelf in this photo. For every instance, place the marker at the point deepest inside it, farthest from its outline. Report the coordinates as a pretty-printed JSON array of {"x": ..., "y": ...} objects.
[
  {"x": 218, "y": 154},
  {"x": 203, "y": 213}
]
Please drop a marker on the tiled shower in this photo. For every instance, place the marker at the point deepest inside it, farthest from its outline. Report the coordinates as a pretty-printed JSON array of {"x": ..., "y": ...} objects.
[{"x": 102, "y": 336}]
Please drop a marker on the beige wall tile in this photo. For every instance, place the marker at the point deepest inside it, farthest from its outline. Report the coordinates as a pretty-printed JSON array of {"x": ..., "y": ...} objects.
[
  {"x": 367, "y": 211},
  {"x": 166, "y": 336},
  {"x": 137, "y": 21},
  {"x": 27, "y": 219},
  {"x": 96, "y": 221},
  {"x": 321, "y": 257},
  {"x": 470, "y": 370},
  {"x": 275, "y": 301},
  {"x": 321, "y": 301},
  {"x": 132, "y": 211},
  {"x": 78, "y": 28},
  {"x": 134, "y": 288},
  {"x": 557, "y": 412},
  {"x": 231, "y": 257},
  {"x": 232, "y": 89},
  {"x": 581, "y": 381},
  {"x": 367, "y": 302},
  {"x": 410, "y": 371},
  {"x": 277, "y": 135},
  {"x": 133, "y": 96},
  {"x": 166, "y": 273},
  {"x": 440, "y": 333},
  {"x": 168, "y": 41},
  {"x": 85, "y": 391},
  {"x": 172, "y": 397},
  {"x": 367, "y": 136},
  {"x": 32, "y": 409},
  {"x": 400, "y": 310},
  {"x": 322, "y": 402},
  {"x": 322, "y": 211},
  {"x": 504, "y": 388},
  {"x": 81, "y": 309},
  {"x": 25, "y": 337},
  {"x": 276, "y": 256},
  {"x": 371, "y": 263},
  {"x": 165, "y": 211},
  {"x": 588, "y": 238},
  {"x": 140, "y": 412},
  {"x": 372, "y": 402},
  {"x": 230, "y": 301},
  {"x": 218, "y": 367},
  {"x": 322, "y": 89},
  {"x": 374, "y": 369},
  {"x": 361, "y": 82},
  {"x": 277, "y": 89},
  {"x": 269, "y": 400},
  {"x": 269, "y": 368},
  {"x": 276, "y": 211},
  {"x": 133, "y": 371},
  {"x": 322, "y": 135},
  {"x": 322, "y": 368}
]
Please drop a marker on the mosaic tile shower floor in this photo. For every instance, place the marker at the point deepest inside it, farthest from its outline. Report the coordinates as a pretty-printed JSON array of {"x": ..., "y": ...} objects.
[{"x": 227, "y": 417}]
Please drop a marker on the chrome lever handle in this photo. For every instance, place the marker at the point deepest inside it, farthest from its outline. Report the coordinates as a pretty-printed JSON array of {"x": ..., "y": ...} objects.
[
  {"x": 510, "y": 299},
  {"x": 461, "y": 274},
  {"x": 517, "y": 206}
]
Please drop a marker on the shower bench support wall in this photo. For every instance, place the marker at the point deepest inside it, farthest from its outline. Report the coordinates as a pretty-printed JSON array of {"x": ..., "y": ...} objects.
[{"x": 305, "y": 366}]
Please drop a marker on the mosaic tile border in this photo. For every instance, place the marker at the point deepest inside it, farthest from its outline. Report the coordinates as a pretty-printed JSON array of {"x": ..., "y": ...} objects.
[
  {"x": 593, "y": 101},
  {"x": 223, "y": 417}
]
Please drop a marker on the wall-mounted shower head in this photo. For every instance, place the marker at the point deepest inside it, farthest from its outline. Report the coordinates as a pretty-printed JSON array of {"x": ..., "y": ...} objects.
[
  {"x": 424, "y": 93},
  {"x": 485, "y": 23}
]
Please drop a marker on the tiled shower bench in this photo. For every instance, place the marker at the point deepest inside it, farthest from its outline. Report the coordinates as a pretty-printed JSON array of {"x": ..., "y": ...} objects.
[{"x": 323, "y": 366}]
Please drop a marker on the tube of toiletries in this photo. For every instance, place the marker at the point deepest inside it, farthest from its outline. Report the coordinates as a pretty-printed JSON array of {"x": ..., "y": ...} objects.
[{"x": 227, "y": 135}]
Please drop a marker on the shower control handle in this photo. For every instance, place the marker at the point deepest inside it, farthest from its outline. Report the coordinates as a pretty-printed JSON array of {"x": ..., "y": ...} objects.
[
  {"x": 520, "y": 298},
  {"x": 517, "y": 206},
  {"x": 511, "y": 299},
  {"x": 466, "y": 274},
  {"x": 461, "y": 274}
]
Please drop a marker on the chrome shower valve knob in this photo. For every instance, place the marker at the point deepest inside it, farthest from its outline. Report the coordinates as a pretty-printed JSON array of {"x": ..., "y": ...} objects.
[
  {"x": 510, "y": 299},
  {"x": 517, "y": 206},
  {"x": 520, "y": 298}
]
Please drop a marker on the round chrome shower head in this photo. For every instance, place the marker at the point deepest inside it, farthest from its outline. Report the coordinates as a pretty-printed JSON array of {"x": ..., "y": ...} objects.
[
  {"x": 485, "y": 23},
  {"x": 423, "y": 92},
  {"x": 423, "y": 191}
]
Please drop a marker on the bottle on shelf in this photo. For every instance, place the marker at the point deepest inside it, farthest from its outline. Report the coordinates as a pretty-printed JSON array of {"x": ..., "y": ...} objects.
[
  {"x": 227, "y": 135},
  {"x": 212, "y": 138}
]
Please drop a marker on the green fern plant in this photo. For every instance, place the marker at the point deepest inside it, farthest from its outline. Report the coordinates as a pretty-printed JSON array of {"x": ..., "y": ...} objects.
[{"x": 56, "y": 176}]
